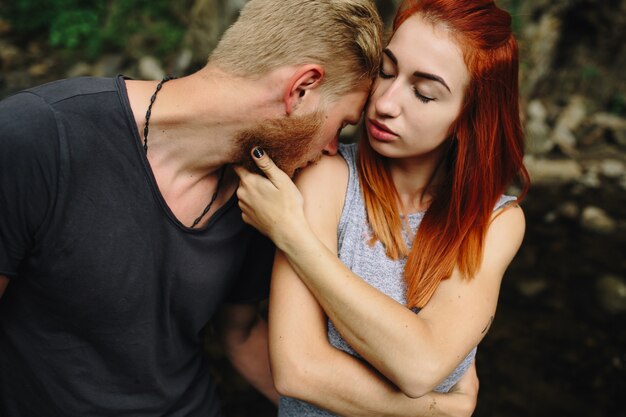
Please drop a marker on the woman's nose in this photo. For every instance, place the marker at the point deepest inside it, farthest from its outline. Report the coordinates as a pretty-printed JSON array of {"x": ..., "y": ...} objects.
[{"x": 385, "y": 100}]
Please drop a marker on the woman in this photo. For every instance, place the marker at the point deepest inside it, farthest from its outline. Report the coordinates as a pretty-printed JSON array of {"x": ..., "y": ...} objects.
[{"x": 443, "y": 142}]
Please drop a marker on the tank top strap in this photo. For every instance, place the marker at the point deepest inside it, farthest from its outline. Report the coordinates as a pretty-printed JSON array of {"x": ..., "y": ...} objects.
[{"x": 353, "y": 201}]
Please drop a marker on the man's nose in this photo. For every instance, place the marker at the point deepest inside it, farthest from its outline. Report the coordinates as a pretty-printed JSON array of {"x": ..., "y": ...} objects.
[{"x": 332, "y": 146}]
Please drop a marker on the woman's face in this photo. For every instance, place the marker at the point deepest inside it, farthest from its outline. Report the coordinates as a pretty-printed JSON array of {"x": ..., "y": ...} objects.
[{"x": 418, "y": 93}]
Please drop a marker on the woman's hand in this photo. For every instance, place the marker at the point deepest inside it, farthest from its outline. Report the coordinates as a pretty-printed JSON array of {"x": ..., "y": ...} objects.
[
  {"x": 467, "y": 390},
  {"x": 271, "y": 204}
]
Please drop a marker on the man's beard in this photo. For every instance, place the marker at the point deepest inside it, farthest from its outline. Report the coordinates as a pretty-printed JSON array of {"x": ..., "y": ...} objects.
[{"x": 286, "y": 140}]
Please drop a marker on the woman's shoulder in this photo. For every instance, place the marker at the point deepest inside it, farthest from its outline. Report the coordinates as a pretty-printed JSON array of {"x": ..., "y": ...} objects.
[
  {"x": 508, "y": 225},
  {"x": 326, "y": 168},
  {"x": 505, "y": 201},
  {"x": 324, "y": 181}
]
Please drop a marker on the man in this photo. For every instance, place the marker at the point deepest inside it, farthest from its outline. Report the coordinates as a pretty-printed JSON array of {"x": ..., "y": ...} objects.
[{"x": 120, "y": 234}]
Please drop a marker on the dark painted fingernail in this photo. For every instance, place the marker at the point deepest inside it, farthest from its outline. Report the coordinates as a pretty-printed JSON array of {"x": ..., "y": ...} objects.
[{"x": 258, "y": 152}]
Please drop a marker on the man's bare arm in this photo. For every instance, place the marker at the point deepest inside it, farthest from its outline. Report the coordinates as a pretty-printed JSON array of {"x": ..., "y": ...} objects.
[
  {"x": 4, "y": 281},
  {"x": 243, "y": 334}
]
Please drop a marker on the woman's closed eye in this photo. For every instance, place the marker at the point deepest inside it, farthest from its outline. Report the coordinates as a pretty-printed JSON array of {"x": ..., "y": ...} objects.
[
  {"x": 424, "y": 99},
  {"x": 421, "y": 97}
]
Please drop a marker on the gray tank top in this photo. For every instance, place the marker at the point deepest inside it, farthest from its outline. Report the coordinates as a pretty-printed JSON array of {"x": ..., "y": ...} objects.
[{"x": 372, "y": 265}]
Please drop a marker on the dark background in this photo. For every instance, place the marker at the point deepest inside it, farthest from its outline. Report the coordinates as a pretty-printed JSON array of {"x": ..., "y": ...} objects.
[{"x": 558, "y": 345}]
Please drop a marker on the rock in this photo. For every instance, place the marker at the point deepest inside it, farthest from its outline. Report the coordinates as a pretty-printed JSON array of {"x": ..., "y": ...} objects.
[
  {"x": 609, "y": 121},
  {"x": 537, "y": 111},
  {"x": 536, "y": 129},
  {"x": 593, "y": 135},
  {"x": 611, "y": 293},
  {"x": 612, "y": 168},
  {"x": 108, "y": 66},
  {"x": 574, "y": 113},
  {"x": 550, "y": 217},
  {"x": 39, "y": 69},
  {"x": 183, "y": 62},
  {"x": 615, "y": 124},
  {"x": 552, "y": 172},
  {"x": 569, "y": 210},
  {"x": 594, "y": 219},
  {"x": 569, "y": 120},
  {"x": 531, "y": 288},
  {"x": 538, "y": 139},
  {"x": 591, "y": 177},
  {"x": 564, "y": 139},
  {"x": 150, "y": 69},
  {"x": 542, "y": 38},
  {"x": 9, "y": 56},
  {"x": 208, "y": 21},
  {"x": 79, "y": 70}
]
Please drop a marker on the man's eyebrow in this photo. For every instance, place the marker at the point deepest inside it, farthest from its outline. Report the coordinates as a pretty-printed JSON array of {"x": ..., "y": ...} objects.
[{"x": 418, "y": 74}]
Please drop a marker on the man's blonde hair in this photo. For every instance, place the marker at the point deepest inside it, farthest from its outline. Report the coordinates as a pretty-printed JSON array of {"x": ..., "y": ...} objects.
[{"x": 344, "y": 36}]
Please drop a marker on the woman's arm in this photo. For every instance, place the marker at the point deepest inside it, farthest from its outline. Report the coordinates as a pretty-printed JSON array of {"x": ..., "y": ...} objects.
[
  {"x": 415, "y": 352},
  {"x": 304, "y": 364}
]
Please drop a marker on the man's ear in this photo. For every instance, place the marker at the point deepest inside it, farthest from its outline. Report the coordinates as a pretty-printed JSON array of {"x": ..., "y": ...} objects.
[{"x": 304, "y": 80}]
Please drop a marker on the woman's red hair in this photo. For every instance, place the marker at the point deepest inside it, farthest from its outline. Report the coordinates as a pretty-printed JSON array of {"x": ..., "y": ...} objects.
[{"x": 485, "y": 152}]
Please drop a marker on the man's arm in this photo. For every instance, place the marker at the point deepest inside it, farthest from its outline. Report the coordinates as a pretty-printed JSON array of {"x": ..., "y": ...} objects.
[
  {"x": 243, "y": 334},
  {"x": 4, "y": 281}
]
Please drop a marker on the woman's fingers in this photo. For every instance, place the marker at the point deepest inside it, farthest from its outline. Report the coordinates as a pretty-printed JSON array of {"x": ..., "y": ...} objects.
[
  {"x": 271, "y": 202},
  {"x": 268, "y": 167}
]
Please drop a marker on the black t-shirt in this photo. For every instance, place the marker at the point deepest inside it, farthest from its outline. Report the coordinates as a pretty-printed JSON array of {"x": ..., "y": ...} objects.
[{"x": 108, "y": 293}]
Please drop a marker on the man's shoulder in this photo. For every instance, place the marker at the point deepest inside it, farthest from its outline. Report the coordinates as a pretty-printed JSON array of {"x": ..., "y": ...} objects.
[
  {"x": 61, "y": 90},
  {"x": 37, "y": 103},
  {"x": 24, "y": 119}
]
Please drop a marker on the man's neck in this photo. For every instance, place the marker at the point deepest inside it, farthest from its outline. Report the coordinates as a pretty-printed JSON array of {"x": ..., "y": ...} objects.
[
  {"x": 192, "y": 127},
  {"x": 194, "y": 119}
]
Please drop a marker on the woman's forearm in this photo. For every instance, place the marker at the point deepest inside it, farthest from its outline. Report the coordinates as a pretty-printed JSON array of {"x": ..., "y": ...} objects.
[
  {"x": 388, "y": 335},
  {"x": 415, "y": 351},
  {"x": 305, "y": 366},
  {"x": 340, "y": 383}
]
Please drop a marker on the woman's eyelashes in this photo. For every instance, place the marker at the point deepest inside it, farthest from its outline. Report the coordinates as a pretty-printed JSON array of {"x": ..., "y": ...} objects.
[{"x": 424, "y": 99}]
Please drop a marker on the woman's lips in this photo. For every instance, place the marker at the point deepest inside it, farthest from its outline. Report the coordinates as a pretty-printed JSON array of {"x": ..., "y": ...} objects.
[{"x": 380, "y": 132}]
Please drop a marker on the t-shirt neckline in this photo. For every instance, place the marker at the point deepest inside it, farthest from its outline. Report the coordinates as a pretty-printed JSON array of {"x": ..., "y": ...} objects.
[{"x": 123, "y": 94}]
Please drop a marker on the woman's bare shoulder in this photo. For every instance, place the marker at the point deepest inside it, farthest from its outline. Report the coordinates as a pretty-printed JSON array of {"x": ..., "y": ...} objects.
[
  {"x": 323, "y": 185},
  {"x": 327, "y": 175}
]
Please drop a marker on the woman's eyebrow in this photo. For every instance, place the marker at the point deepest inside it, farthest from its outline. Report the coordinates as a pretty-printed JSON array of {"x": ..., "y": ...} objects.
[
  {"x": 432, "y": 77},
  {"x": 418, "y": 74}
]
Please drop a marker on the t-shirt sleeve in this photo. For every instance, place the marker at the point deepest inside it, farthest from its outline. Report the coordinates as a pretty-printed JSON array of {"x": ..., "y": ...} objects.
[
  {"x": 28, "y": 175},
  {"x": 253, "y": 283}
]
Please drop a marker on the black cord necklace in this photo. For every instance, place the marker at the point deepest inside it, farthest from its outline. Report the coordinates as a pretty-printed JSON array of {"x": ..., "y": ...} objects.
[{"x": 145, "y": 147}]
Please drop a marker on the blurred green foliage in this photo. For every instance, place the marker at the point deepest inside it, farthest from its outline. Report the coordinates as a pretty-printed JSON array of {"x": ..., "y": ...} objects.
[
  {"x": 618, "y": 104},
  {"x": 96, "y": 26}
]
